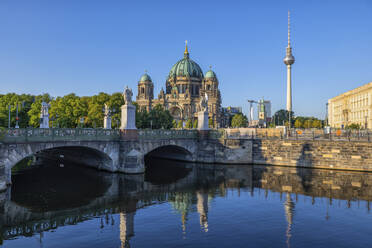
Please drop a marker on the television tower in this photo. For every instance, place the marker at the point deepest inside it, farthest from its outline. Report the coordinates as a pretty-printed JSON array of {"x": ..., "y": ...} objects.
[{"x": 289, "y": 60}]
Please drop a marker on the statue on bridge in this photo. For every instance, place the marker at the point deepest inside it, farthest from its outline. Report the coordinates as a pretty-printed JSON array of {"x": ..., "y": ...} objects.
[
  {"x": 107, "y": 117},
  {"x": 204, "y": 103},
  {"x": 128, "y": 111},
  {"x": 127, "y": 96},
  {"x": 203, "y": 114}
]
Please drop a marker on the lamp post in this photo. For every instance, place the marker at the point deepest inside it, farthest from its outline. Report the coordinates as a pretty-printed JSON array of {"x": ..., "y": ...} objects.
[
  {"x": 81, "y": 122},
  {"x": 17, "y": 118},
  {"x": 9, "y": 108}
]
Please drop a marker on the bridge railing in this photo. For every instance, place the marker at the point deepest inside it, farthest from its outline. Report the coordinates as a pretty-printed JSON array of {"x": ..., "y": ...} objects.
[
  {"x": 20, "y": 135},
  {"x": 167, "y": 134}
]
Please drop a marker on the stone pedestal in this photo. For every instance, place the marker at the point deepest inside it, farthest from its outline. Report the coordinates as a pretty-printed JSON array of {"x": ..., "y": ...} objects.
[
  {"x": 128, "y": 117},
  {"x": 203, "y": 120},
  {"x": 107, "y": 122}
]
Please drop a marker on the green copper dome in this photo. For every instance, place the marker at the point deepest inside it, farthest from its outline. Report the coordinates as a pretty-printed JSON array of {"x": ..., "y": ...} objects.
[
  {"x": 186, "y": 68},
  {"x": 145, "y": 77},
  {"x": 210, "y": 74}
]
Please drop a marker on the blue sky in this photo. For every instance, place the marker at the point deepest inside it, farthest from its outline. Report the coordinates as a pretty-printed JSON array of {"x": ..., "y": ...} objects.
[{"x": 89, "y": 46}]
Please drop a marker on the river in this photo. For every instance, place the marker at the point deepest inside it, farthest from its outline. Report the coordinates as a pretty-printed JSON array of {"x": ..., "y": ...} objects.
[{"x": 186, "y": 205}]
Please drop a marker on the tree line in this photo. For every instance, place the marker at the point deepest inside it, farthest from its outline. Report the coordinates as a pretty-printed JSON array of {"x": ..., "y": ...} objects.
[{"x": 72, "y": 111}]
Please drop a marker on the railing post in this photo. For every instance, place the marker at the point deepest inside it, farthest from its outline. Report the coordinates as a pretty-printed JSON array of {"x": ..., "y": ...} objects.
[
  {"x": 367, "y": 136},
  {"x": 313, "y": 136}
]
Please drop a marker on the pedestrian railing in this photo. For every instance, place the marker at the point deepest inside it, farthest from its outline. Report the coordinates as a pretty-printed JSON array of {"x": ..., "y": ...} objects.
[
  {"x": 167, "y": 134},
  {"x": 304, "y": 134},
  {"x": 57, "y": 134}
]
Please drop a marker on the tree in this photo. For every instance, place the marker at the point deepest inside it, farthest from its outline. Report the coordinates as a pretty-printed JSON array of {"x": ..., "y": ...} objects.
[
  {"x": 160, "y": 118},
  {"x": 188, "y": 124},
  {"x": 353, "y": 126},
  {"x": 180, "y": 124},
  {"x": 174, "y": 124},
  {"x": 308, "y": 123},
  {"x": 317, "y": 123},
  {"x": 281, "y": 116},
  {"x": 195, "y": 124},
  {"x": 210, "y": 123},
  {"x": 298, "y": 123},
  {"x": 239, "y": 120}
]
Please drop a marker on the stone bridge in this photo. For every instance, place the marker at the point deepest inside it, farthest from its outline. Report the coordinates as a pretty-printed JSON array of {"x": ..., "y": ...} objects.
[{"x": 118, "y": 150}]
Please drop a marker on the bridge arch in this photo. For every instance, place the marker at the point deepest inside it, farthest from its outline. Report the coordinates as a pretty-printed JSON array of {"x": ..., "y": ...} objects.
[
  {"x": 170, "y": 152},
  {"x": 100, "y": 155}
]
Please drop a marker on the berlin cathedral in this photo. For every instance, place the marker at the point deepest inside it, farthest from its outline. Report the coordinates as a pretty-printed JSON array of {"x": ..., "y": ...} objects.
[{"x": 184, "y": 86}]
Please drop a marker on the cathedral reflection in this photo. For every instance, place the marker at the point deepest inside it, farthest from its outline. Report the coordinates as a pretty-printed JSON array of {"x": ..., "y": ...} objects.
[{"x": 193, "y": 193}]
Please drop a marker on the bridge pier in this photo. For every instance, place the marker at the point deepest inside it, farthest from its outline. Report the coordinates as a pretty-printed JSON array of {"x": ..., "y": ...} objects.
[{"x": 3, "y": 181}]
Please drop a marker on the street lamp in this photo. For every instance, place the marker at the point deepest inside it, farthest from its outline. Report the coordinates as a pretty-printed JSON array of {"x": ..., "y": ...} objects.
[
  {"x": 9, "y": 108},
  {"x": 82, "y": 122}
]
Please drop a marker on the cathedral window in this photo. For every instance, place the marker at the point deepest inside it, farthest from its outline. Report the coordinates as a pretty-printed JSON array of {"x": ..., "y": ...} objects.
[
  {"x": 142, "y": 90},
  {"x": 208, "y": 87},
  {"x": 197, "y": 90}
]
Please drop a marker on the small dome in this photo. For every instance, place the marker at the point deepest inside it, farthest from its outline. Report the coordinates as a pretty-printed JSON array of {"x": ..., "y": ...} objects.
[
  {"x": 145, "y": 77},
  {"x": 210, "y": 74}
]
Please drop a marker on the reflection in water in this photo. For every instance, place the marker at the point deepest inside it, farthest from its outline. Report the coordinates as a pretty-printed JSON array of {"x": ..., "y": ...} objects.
[
  {"x": 48, "y": 197},
  {"x": 126, "y": 228},
  {"x": 289, "y": 213},
  {"x": 202, "y": 206}
]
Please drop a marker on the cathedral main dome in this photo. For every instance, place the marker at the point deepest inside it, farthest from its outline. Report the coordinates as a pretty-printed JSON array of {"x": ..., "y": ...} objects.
[{"x": 186, "y": 68}]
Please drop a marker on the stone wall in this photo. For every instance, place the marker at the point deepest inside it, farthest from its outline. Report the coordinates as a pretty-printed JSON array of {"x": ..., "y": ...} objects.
[{"x": 314, "y": 154}]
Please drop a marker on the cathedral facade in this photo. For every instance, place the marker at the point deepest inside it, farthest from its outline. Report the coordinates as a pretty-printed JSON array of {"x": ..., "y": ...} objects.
[{"x": 184, "y": 87}]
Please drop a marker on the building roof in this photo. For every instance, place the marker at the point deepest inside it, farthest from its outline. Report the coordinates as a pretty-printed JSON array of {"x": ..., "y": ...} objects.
[
  {"x": 210, "y": 74},
  {"x": 186, "y": 68},
  {"x": 145, "y": 77}
]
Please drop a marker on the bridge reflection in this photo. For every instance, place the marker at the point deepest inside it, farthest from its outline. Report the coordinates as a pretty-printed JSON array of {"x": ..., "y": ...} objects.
[{"x": 192, "y": 192}]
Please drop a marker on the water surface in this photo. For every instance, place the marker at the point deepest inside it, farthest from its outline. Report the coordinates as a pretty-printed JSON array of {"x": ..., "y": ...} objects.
[{"x": 180, "y": 205}]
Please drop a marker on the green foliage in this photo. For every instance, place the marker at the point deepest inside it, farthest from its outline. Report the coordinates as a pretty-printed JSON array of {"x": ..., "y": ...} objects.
[
  {"x": 188, "y": 124},
  {"x": 282, "y": 116},
  {"x": 307, "y": 122},
  {"x": 239, "y": 120},
  {"x": 157, "y": 118},
  {"x": 174, "y": 124},
  {"x": 298, "y": 123},
  {"x": 353, "y": 126},
  {"x": 24, "y": 103},
  {"x": 180, "y": 124},
  {"x": 210, "y": 123},
  {"x": 66, "y": 111},
  {"x": 195, "y": 124}
]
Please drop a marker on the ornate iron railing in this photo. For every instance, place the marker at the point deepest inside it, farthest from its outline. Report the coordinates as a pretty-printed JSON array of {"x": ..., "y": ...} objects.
[
  {"x": 167, "y": 134},
  {"x": 57, "y": 134},
  {"x": 22, "y": 135}
]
